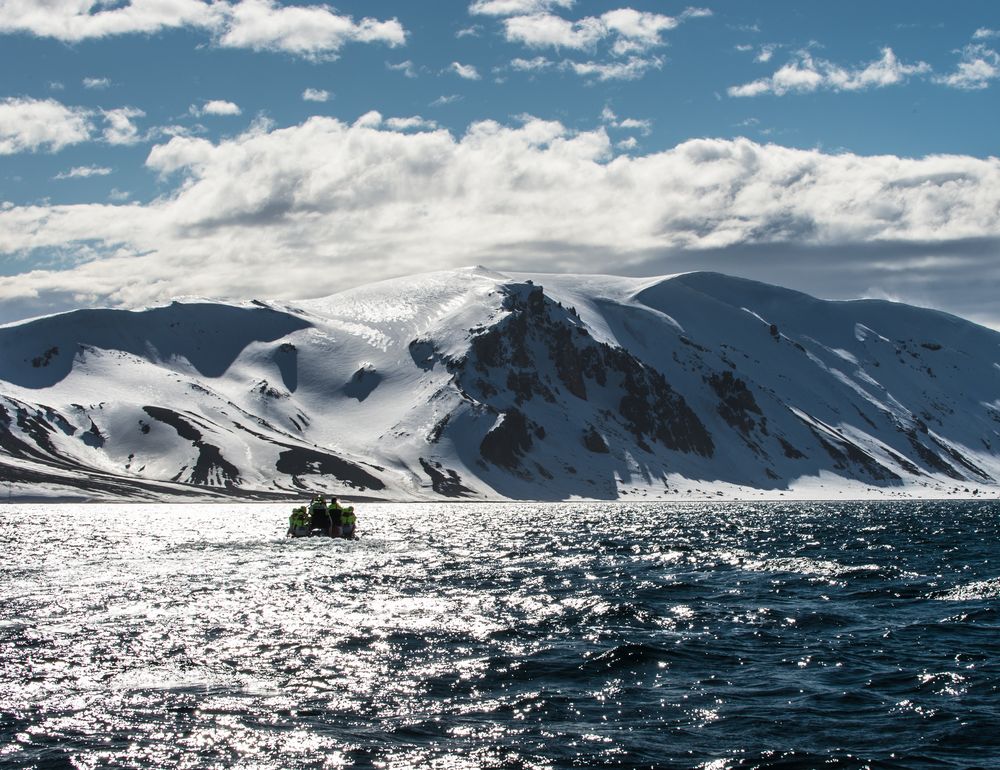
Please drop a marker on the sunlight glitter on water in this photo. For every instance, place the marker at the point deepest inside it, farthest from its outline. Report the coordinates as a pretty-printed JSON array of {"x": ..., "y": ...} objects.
[{"x": 453, "y": 636}]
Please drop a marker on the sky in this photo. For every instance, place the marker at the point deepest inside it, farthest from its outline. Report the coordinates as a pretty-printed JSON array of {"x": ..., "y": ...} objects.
[{"x": 241, "y": 149}]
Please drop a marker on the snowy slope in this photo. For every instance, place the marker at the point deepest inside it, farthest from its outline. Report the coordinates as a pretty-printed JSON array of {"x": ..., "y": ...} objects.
[{"x": 473, "y": 384}]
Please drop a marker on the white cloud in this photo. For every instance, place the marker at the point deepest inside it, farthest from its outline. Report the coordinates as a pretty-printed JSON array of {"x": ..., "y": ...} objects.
[
  {"x": 444, "y": 99},
  {"x": 96, "y": 84},
  {"x": 311, "y": 31},
  {"x": 315, "y": 95},
  {"x": 465, "y": 71},
  {"x": 631, "y": 69},
  {"x": 516, "y": 7},
  {"x": 531, "y": 65},
  {"x": 413, "y": 123},
  {"x": 313, "y": 208},
  {"x": 30, "y": 125},
  {"x": 983, "y": 33},
  {"x": 119, "y": 196},
  {"x": 406, "y": 67},
  {"x": 216, "y": 107},
  {"x": 543, "y": 30},
  {"x": 643, "y": 126},
  {"x": 74, "y": 20},
  {"x": 765, "y": 54},
  {"x": 696, "y": 13},
  {"x": 637, "y": 30},
  {"x": 628, "y": 144},
  {"x": 628, "y": 30},
  {"x": 120, "y": 125},
  {"x": 82, "y": 172},
  {"x": 608, "y": 116},
  {"x": 473, "y": 31},
  {"x": 978, "y": 66},
  {"x": 314, "y": 32},
  {"x": 371, "y": 119},
  {"x": 804, "y": 74}
]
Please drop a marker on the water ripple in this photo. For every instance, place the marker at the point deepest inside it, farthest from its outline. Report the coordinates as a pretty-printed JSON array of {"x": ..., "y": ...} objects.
[{"x": 448, "y": 636}]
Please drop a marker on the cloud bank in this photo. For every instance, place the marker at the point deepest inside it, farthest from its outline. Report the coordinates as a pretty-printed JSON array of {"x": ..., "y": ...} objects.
[{"x": 317, "y": 207}]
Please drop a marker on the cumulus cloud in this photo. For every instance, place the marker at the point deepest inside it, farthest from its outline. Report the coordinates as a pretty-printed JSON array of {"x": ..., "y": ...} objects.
[
  {"x": 315, "y": 32},
  {"x": 516, "y": 7},
  {"x": 216, "y": 107},
  {"x": 317, "y": 207},
  {"x": 626, "y": 34},
  {"x": 805, "y": 74},
  {"x": 464, "y": 71},
  {"x": 315, "y": 95},
  {"x": 978, "y": 67},
  {"x": 120, "y": 127},
  {"x": 984, "y": 32},
  {"x": 74, "y": 20},
  {"x": 82, "y": 172},
  {"x": 630, "y": 30},
  {"x": 96, "y": 84},
  {"x": 311, "y": 31},
  {"x": 643, "y": 126},
  {"x": 30, "y": 125}
]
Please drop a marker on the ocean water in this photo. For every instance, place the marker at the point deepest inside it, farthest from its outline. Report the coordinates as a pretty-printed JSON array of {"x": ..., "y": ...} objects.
[{"x": 502, "y": 636}]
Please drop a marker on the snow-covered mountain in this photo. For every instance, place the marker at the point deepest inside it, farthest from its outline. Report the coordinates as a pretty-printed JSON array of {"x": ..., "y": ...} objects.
[{"x": 472, "y": 384}]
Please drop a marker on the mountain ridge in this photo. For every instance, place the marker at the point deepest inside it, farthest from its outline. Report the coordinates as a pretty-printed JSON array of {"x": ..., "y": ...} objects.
[{"x": 474, "y": 384}]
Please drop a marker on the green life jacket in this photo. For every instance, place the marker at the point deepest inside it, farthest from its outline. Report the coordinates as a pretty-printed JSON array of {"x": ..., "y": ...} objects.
[
  {"x": 349, "y": 518},
  {"x": 300, "y": 517}
]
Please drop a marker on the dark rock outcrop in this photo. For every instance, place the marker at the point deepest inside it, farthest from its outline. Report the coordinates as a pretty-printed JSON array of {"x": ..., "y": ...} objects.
[{"x": 507, "y": 441}]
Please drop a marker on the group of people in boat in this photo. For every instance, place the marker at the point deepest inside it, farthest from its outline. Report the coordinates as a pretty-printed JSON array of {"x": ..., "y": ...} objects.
[{"x": 323, "y": 519}]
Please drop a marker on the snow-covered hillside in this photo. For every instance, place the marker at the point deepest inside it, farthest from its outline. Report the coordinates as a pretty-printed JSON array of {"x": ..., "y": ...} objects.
[{"x": 473, "y": 384}]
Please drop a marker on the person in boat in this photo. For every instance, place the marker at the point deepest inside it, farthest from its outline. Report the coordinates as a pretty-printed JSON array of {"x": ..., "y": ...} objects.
[
  {"x": 336, "y": 518},
  {"x": 350, "y": 521},
  {"x": 320, "y": 515},
  {"x": 300, "y": 522}
]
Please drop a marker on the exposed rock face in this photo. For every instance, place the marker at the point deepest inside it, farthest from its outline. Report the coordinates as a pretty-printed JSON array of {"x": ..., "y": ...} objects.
[
  {"x": 445, "y": 481},
  {"x": 211, "y": 468},
  {"x": 301, "y": 462},
  {"x": 507, "y": 441},
  {"x": 594, "y": 441},
  {"x": 539, "y": 352},
  {"x": 736, "y": 403}
]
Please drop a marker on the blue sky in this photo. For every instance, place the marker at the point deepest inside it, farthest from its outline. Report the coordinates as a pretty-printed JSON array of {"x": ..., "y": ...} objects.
[{"x": 152, "y": 149}]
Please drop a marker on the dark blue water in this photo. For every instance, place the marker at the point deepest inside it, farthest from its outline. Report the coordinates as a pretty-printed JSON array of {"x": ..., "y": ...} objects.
[{"x": 495, "y": 636}]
